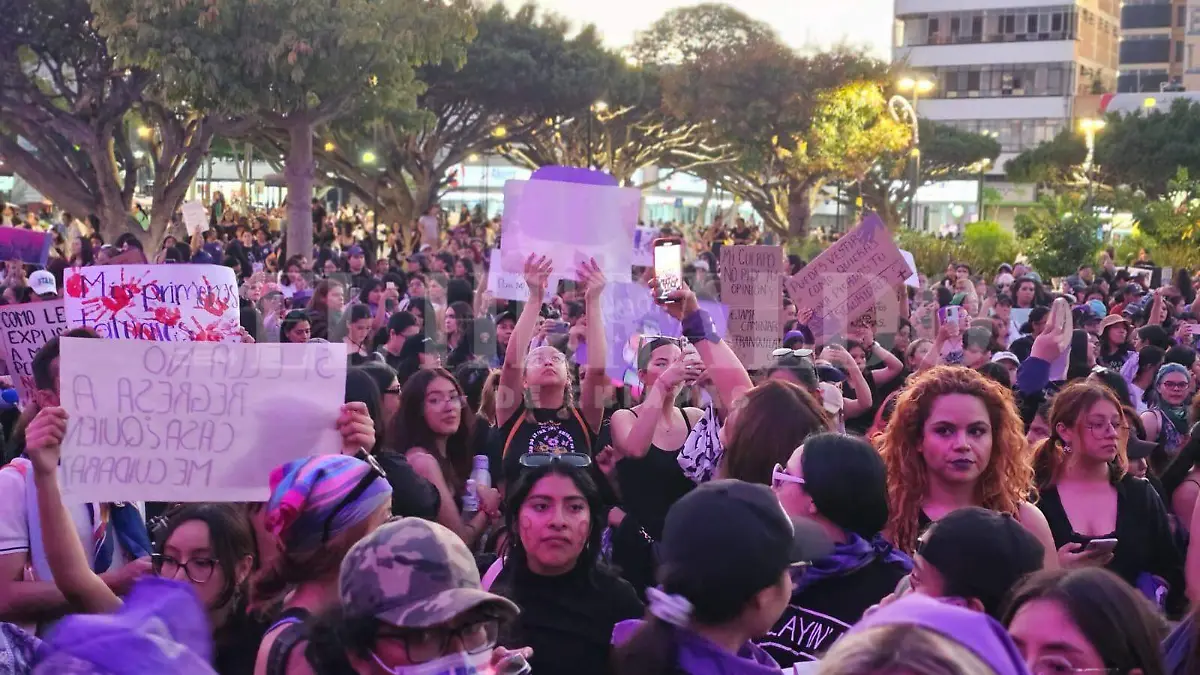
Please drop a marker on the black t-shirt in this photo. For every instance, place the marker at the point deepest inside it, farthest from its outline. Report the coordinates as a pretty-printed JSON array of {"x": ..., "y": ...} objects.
[
  {"x": 543, "y": 431},
  {"x": 568, "y": 620},
  {"x": 235, "y": 645},
  {"x": 412, "y": 495},
  {"x": 821, "y": 614}
]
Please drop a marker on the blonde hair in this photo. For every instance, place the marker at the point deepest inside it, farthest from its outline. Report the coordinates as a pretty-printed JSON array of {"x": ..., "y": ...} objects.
[
  {"x": 1007, "y": 480},
  {"x": 901, "y": 649}
]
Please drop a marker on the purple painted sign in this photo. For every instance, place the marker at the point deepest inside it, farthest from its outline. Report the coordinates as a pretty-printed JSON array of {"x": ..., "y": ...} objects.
[{"x": 24, "y": 245}]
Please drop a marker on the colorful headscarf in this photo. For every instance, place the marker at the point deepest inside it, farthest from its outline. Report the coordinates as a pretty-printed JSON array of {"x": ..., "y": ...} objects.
[{"x": 306, "y": 494}]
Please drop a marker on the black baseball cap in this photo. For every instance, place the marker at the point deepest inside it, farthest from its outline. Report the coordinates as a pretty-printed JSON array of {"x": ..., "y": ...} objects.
[
  {"x": 1136, "y": 448},
  {"x": 734, "y": 535},
  {"x": 981, "y": 554}
]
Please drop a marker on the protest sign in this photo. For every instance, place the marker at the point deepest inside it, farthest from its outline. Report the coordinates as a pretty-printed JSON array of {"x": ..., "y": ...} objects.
[
  {"x": 195, "y": 219},
  {"x": 750, "y": 288},
  {"x": 849, "y": 278},
  {"x": 167, "y": 422},
  {"x": 131, "y": 256},
  {"x": 570, "y": 223},
  {"x": 24, "y": 245},
  {"x": 643, "y": 246},
  {"x": 630, "y": 312},
  {"x": 505, "y": 285},
  {"x": 913, "y": 279},
  {"x": 25, "y": 328},
  {"x": 154, "y": 302}
]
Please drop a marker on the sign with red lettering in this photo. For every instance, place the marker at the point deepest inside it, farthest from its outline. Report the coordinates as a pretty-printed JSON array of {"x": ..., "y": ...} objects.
[
  {"x": 847, "y": 280},
  {"x": 23, "y": 330},
  {"x": 166, "y": 303},
  {"x": 750, "y": 288},
  {"x": 193, "y": 422}
]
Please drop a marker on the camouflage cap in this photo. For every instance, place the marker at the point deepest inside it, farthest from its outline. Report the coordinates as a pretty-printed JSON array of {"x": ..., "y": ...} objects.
[{"x": 413, "y": 573}]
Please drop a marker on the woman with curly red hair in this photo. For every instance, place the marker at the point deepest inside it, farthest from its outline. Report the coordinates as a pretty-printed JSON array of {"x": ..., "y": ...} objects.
[{"x": 956, "y": 440}]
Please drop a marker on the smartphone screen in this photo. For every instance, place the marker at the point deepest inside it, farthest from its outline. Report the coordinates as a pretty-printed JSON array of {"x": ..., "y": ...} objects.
[{"x": 668, "y": 265}]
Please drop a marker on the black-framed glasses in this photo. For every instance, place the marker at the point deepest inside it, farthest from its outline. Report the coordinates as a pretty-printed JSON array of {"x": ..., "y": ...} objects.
[
  {"x": 395, "y": 391},
  {"x": 422, "y": 645},
  {"x": 198, "y": 570},
  {"x": 367, "y": 479},
  {"x": 798, "y": 353},
  {"x": 533, "y": 460}
]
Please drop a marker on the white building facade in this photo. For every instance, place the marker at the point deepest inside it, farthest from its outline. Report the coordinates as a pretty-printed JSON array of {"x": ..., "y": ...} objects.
[{"x": 1012, "y": 67}]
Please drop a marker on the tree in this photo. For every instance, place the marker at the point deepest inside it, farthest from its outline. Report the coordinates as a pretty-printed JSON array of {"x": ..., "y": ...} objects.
[
  {"x": 630, "y": 131},
  {"x": 1052, "y": 163},
  {"x": 78, "y": 123},
  {"x": 986, "y": 244},
  {"x": 795, "y": 122},
  {"x": 946, "y": 153},
  {"x": 1060, "y": 233},
  {"x": 685, "y": 34},
  {"x": 520, "y": 71},
  {"x": 1144, "y": 149},
  {"x": 295, "y": 65}
]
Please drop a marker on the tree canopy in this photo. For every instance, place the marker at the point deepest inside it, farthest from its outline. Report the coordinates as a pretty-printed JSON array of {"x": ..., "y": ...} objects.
[{"x": 685, "y": 34}]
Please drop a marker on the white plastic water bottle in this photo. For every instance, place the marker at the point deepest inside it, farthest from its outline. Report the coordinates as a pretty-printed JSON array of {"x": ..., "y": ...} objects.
[
  {"x": 481, "y": 473},
  {"x": 470, "y": 501}
]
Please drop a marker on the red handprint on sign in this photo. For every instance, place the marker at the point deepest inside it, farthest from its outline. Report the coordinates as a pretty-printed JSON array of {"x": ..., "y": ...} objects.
[
  {"x": 211, "y": 303},
  {"x": 167, "y": 316}
]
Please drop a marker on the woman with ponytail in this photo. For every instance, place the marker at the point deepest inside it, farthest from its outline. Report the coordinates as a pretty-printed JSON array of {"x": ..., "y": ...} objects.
[
  {"x": 725, "y": 554},
  {"x": 1086, "y": 494}
]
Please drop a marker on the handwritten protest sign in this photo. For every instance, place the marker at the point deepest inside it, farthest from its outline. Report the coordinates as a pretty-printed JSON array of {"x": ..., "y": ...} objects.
[
  {"x": 913, "y": 279},
  {"x": 168, "y": 422},
  {"x": 154, "y": 302},
  {"x": 25, "y": 328},
  {"x": 750, "y": 288},
  {"x": 629, "y": 313},
  {"x": 643, "y": 246},
  {"x": 511, "y": 285},
  {"x": 195, "y": 219},
  {"x": 569, "y": 223},
  {"x": 24, "y": 245},
  {"x": 849, "y": 278}
]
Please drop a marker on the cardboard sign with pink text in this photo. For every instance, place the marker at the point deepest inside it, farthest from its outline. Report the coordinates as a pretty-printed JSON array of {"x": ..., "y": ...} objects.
[
  {"x": 23, "y": 330},
  {"x": 167, "y": 303}
]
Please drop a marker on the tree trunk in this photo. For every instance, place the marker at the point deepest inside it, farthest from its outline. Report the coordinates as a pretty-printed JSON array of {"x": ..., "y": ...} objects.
[
  {"x": 299, "y": 173},
  {"x": 708, "y": 193},
  {"x": 114, "y": 221},
  {"x": 800, "y": 203}
]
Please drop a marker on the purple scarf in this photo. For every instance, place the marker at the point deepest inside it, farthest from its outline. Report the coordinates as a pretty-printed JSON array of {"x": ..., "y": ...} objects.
[{"x": 847, "y": 558}]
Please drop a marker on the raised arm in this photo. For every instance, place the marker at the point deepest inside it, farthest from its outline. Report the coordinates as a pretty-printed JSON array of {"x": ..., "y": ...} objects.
[
  {"x": 595, "y": 378},
  {"x": 892, "y": 366},
  {"x": 68, "y": 562},
  {"x": 512, "y": 375},
  {"x": 729, "y": 376}
]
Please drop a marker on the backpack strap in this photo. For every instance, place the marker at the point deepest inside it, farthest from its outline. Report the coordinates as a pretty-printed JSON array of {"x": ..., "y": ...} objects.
[
  {"x": 587, "y": 432},
  {"x": 293, "y": 633}
]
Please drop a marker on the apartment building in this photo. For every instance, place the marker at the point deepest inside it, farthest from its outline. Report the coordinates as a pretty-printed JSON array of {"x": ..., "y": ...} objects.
[
  {"x": 1011, "y": 67},
  {"x": 1154, "y": 46}
]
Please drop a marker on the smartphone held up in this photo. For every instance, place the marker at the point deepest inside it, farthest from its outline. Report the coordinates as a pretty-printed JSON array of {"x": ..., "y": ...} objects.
[{"x": 668, "y": 266}]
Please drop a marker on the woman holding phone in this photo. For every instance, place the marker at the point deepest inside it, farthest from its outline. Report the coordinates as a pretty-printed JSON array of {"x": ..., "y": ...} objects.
[{"x": 1098, "y": 513}]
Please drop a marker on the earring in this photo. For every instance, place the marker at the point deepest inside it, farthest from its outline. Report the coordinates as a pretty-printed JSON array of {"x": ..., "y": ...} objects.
[{"x": 1066, "y": 447}]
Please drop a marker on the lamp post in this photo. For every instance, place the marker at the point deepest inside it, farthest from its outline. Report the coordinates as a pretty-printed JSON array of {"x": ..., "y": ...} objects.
[
  {"x": 369, "y": 158},
  {"x": 983, "y": 165},
  {"x": 595, "y": 109},
  {"x": 917, "y": 86},
  {"x": 1089, "y": 127}
]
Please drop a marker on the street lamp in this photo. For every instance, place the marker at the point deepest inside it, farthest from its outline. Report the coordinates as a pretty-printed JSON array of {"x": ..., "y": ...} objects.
[
  {"x": 917, "y": 86},
  {"x": 329, "y": 146},
  {"x": 1089, "y": 126},
  {"x": 500, "y": 131},
  {"x": 597, "y": 108},
  {"x": 144, "y": 132},
  {"x": 369, "y": 157}
]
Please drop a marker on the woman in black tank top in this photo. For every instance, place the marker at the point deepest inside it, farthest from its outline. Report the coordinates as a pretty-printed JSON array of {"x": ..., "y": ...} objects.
[
  {"x": 650, "y": 435},
  {"x": 534, "y": 404}
]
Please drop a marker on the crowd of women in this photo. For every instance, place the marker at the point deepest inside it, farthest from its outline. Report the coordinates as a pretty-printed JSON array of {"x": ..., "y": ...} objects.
[{"x": 1002, "y": 481}]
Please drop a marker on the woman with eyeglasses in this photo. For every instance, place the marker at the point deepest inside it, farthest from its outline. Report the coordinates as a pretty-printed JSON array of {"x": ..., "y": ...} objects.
[
  {"x": 838, "y": 482},
  {"x": 535, "y": 399},
  {"x": 569, "y": 599},
  {"x": 1089, "y": 500},
  {"x": 1084, "y": 621},
  {"x": 319, "y": 508},
  {"x": 956, "y": 440},
  {"x": 1166, "y": 420},
  {"x": 434, "y": 430}
]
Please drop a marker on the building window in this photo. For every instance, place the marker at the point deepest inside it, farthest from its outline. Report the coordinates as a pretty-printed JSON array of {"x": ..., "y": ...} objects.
[
  {"x": 1179, "y": 51},
  {"x": 1181, "y": 15},
  {"x": 1002, "y": 80}
]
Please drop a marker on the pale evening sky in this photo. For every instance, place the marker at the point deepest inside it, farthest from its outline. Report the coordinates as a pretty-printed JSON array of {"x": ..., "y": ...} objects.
[{"x": 799, "y": 22}]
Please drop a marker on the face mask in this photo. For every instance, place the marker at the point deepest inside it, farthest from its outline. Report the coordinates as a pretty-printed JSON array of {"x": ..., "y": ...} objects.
[{"x": 459, "y": 663}]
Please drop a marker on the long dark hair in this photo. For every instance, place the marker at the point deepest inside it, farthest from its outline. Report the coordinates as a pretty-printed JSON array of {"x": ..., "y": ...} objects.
[
  {"x": 515, "y": 551},
  {"x": 775, "y": 419},
  {"x": 230, "y": 535},
  {"x": 411, "y": 429},
  {"x": 1120, "y": 624}
]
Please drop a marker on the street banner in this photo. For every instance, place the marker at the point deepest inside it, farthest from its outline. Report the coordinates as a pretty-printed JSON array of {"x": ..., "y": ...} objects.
[
  {"x": 168, "y": 303},
  {"x": 23, "y": 330},
  {"x": 155, "y": 421}
]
